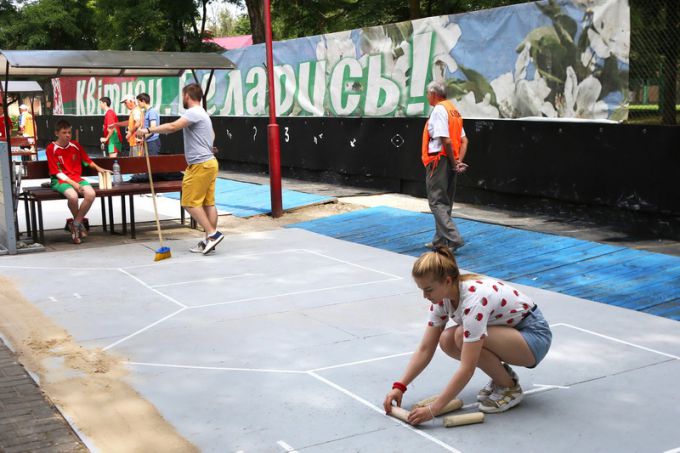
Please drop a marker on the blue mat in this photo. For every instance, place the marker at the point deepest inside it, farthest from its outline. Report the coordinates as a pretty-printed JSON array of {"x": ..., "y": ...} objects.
[
  {"x": 635, "y": 279},
  {"x": 243, "y": 199}
]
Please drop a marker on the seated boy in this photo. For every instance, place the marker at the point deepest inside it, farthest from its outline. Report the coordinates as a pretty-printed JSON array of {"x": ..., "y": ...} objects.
[{"x": 65, "y": 160}]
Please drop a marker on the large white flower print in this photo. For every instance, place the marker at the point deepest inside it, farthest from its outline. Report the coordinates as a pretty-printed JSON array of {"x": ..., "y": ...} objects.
[
  {"x": 335, "y": 46},
  {"x": 608, "y": 26},
  {"x": 518, "y": 97},
  {"x": 446, "y": 37},
  {"x": 395, "y": 59},
  {"x": 469, "y": 108},
  {"x": 580, "y": 100}
]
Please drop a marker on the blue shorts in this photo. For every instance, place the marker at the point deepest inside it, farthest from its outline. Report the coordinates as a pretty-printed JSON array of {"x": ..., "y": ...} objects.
[{"x": 536, "y": 332}]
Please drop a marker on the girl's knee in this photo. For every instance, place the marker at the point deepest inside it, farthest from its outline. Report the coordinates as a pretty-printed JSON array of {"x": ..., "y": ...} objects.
[
  {"x": 448, "y": 343},
  {"x": 458, "y": 338}
]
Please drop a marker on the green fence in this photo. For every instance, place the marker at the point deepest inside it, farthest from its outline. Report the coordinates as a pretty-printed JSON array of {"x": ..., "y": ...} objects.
[{"x": 654, "y": 62}]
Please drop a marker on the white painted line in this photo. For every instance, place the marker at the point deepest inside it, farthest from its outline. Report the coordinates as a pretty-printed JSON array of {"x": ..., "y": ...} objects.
[
  {"x": 546, "y": 387},
  {"x": 206, "y": 280},
  {"x": 52, "y": 299},
  {"x": 58, "y": 268},
  {"x": 607, "y": 337},
  {"x": 215, "y": 368},
  {"x": 152, "y": 289},
  {"x": 293, "y": 293},
  {"x": 382, "y": 412},
  {"x": 77, "y": 296},
  {"x": 212, "y": 260},
  {"x": 354, "y": 264},
  {"x": 359, "y": 362},
  {"x": 112, "y": 345},
  {"x": 286, "y": 447},
  {"x": 674, "y": 450}
]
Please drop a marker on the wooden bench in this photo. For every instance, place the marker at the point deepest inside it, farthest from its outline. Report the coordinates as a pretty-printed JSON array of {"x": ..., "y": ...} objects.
[{"x": 34, "y": 196}]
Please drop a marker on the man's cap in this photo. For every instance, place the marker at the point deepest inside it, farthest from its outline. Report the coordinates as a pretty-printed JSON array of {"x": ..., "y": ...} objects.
[
  {"x": 23, "y": 107},
  {"x": 127, "y": 97}
]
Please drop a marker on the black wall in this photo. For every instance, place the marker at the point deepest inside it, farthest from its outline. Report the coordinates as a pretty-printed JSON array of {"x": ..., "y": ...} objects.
[{"x": 625, "y": 166}]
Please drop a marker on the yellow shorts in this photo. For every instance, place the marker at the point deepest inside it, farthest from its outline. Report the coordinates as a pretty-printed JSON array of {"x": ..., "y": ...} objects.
[{"x": 198, "y": 184}]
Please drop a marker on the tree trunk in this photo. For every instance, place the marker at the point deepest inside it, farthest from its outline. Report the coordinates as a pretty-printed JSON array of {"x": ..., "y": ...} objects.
[
  {"x": 256, "y": 16},
  {"x": 671, "y": 54},
  {"x": 414, "y": 9}
]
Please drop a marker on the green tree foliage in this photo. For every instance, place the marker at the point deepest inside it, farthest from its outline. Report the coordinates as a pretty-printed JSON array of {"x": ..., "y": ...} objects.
[
  {"x": 49, "y": 24},
  {"x": 297, "y": 18},
  {"x": 8, "y": 15},
  {"x": 169, "y": 25}
]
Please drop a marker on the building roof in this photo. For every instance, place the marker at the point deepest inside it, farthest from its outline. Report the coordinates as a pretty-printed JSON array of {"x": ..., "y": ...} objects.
[{"x": 232, "y": 42}]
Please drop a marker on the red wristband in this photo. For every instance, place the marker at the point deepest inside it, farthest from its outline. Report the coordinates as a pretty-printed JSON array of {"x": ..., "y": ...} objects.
[{"x": 400, "y": 386}]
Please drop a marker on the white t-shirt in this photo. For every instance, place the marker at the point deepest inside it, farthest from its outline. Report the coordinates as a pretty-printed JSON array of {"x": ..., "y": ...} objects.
[
  {"x": 483, "y": 302},
  {"x": 438, "y": 126}
]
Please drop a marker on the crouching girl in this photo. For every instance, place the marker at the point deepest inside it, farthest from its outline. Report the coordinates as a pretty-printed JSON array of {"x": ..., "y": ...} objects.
[{"x": 495, "y": 326}]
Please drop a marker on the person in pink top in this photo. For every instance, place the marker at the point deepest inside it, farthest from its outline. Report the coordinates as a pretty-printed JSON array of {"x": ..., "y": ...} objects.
[{"x": 494, "y": 326}]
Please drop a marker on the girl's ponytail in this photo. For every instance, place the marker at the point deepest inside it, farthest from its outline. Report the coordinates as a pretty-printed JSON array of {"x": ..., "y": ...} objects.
[{"x": 438, "y": 264}]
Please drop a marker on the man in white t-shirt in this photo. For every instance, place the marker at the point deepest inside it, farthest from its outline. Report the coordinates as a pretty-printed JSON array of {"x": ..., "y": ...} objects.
[
  {"x": 198, "y": 184},
  {"x": 443, "y": 149}
]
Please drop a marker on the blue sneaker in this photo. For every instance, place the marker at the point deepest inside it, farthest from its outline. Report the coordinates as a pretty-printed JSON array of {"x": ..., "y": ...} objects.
[{"x": 212, "y": 242}]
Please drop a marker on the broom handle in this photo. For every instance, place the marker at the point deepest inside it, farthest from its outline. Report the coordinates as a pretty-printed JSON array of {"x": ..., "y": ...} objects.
[{"x": 153, "y": 193}]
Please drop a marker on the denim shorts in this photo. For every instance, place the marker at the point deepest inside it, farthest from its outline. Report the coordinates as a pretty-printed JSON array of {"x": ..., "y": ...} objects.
[{"x": 536, "y": 332}]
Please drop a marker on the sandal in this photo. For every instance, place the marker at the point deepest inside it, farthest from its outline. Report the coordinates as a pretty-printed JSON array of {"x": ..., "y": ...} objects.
[
  {"x": 75, "y": 236},
  {"x": 82, "y": 230}
]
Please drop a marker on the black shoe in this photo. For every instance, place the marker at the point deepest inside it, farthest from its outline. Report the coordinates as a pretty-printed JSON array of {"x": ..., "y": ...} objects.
[{"x": 456, "y": 247}]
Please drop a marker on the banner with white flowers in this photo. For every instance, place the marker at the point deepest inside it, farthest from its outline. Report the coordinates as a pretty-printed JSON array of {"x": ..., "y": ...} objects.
[{"x": 553, "y": 58}]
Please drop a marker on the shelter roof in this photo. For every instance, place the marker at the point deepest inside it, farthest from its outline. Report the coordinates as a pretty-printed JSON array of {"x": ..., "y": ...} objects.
[
  {"x": 23, "y": 86},
  {"x": 103, "y": 63}
]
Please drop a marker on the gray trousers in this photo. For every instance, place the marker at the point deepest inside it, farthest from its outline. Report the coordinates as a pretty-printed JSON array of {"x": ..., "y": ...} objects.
[{"x": 441, "y": 188}]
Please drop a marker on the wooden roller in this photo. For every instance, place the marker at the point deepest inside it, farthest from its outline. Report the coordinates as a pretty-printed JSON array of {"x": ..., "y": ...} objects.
[
  {"x": 464, "y": 419},
  {"x": 451, "y": 406},
  {"x": 400, "y": 413}
]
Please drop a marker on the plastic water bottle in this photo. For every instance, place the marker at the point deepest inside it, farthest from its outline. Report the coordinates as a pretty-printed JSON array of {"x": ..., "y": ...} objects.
[{"x": 117, "y": 177}]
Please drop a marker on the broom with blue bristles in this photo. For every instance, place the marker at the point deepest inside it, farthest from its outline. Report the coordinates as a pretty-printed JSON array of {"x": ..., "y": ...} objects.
[{"x": 163, "y": 252}]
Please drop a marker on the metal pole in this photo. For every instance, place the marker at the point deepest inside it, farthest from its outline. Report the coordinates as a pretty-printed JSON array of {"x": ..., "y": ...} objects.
[{"x": 272, "y": 128}]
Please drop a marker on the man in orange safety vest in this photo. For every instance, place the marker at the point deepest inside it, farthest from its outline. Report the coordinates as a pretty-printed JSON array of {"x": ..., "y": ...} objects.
[{"x": 443, "y": 150}]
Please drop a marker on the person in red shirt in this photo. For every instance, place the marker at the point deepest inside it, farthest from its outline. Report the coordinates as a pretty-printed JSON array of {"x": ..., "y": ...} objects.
[
  {"x": 111, "y": 138},
  {"x": 3, "y": 132},
  {"x": 65, "y": 160}
]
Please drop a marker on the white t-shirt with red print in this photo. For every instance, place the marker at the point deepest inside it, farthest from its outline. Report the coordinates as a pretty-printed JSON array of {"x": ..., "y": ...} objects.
[{"x": 484, "y": 302}]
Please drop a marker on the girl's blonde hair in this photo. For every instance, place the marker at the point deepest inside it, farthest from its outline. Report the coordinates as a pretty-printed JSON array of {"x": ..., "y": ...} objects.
[{"x": 438, "y": 264}]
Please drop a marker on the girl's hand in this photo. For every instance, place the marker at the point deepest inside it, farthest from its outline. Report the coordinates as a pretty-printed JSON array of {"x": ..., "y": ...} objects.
[
  {"x": 420, "y": 415},
  {"x": 394, "y": 395}
]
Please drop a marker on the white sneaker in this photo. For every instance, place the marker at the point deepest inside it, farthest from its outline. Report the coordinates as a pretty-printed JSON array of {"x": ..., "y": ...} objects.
[
  {"x": 502, "y": 399},
  {"x": 212, "y": 242},
  {"x": 488, "y": 389}
]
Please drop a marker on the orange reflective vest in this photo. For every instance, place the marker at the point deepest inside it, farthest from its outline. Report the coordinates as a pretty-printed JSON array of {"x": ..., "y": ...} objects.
[
  {"x": 133, "y": 125},
  {"x": 455, "y": 129}
]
